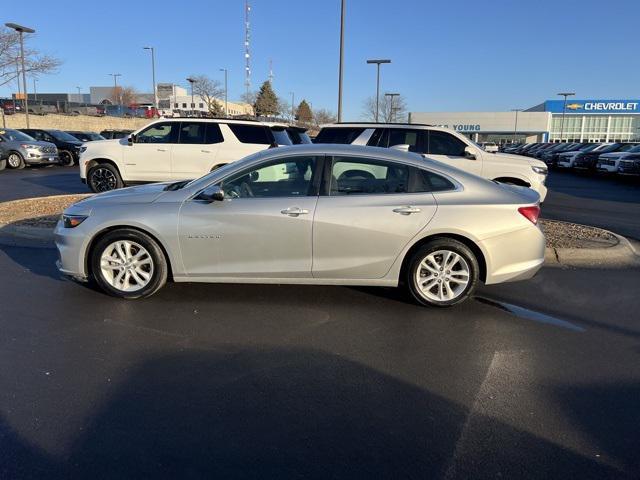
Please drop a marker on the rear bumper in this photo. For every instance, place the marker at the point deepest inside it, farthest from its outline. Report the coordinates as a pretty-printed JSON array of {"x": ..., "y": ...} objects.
[{"x": 514, "y": 256}]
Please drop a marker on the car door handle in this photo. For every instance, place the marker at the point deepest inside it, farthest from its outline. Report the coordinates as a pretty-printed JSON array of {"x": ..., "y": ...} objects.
[
  {"x": 205, "y": 151},
  {"x": 162, "y": 149},
  {"x": 408, "y": 210},
  {"x": 294, "y": 211}
]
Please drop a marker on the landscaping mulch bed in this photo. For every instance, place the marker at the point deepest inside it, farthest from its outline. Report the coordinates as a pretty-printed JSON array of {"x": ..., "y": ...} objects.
[{"x": 571, "y": 235}]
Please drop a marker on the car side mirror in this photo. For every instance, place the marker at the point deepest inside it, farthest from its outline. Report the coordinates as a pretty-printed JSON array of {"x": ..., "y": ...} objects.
[
  {"x": 132, "y": 139},
  {"x": 469, "y": 153},
  {"x": 211, "y": 194}
]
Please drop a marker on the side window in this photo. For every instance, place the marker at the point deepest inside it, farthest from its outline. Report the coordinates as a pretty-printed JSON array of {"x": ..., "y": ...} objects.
[
  {"x": 341, "y": 135},
  {"x": 159, "y": 133},
  {"x": 443, "y": 143},
  {"x": 380, "y": 138},
  {"x": 192, "y": 132},
  {"x": 287, "y": 177},
  {"x": 351, "y": 175},
  {"x": 213, "y": 133},
  {"x": 426, "y": 181},
  {"x": 411, "y": 137},
  {"x": 252, "y": 133},
  {"x": 46, "y": 137}
]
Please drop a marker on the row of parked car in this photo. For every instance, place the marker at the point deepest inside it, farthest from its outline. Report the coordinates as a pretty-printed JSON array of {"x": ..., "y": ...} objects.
[
  {"x": 622, "y": 158},
  {"x": 36, "y": 146}
]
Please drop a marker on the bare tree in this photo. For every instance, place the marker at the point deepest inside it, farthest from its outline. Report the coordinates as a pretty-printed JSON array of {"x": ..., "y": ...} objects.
[
  {"x": 35, "y": 63},
  {"x": 249, "y": 97},
  {"x": 210, "y": 91},
  {"x": 322, "y": 117},
  {"x": 124, "y": 95},
  {"x": 396, "y": 112}
]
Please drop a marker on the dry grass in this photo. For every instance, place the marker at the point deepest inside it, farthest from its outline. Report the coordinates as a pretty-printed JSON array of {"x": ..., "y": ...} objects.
[{"x": 40, "y": 212}]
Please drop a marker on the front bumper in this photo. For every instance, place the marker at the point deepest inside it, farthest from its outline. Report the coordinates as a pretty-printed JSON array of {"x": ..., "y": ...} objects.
[
  {"x": 71, "y": 244},
  {"x": 38, "y": 158},
  {"x": 606, "y": 168}
]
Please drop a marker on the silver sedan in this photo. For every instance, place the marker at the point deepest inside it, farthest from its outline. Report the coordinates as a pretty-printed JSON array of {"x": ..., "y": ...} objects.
[{"x": 312, "y": 214}]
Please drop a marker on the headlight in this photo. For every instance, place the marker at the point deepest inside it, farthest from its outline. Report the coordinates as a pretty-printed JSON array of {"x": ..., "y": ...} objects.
[
  {"x": 27, "y": 146},
  {"x": 540, "y": 170},
  {"x": 83, "y": 149},
  {"x": 72, "y": 221}
]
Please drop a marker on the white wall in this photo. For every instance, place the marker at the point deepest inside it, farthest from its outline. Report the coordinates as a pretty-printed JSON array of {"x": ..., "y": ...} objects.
[{"x": 495, "y": 122}]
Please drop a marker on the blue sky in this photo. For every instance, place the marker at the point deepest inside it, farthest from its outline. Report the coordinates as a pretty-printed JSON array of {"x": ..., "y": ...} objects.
[{"x": 448, "y": 55}]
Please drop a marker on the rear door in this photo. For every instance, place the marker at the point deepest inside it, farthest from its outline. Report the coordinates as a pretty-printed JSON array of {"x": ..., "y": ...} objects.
[
  {"x": 197, "y": 149},
  {"x": 365, "y": 217}
]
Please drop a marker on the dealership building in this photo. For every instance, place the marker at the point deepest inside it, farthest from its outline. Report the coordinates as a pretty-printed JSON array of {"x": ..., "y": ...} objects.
[{"x": 584, "y": 121}]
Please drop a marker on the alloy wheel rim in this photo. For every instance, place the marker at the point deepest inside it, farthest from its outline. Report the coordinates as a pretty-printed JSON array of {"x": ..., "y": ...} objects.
[
  {"x": 127, "y": 266},
  {"x": 442, "y": 276},
  {"x": 14, "y": 160},
  {"x": 103, "y": 180}
]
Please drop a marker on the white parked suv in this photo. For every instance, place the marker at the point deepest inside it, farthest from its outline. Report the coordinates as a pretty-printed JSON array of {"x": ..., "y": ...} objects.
[
  {"x": 567, "y": 159},
  {"x": 443, "y": 145},
  {"x": 175, "y": 149},
  {"x": 490, "y": 147},
  {"x": 609, "y": 162}
]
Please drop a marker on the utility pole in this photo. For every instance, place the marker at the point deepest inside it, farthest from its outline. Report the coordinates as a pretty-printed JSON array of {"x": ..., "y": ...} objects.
[
  {"x": 226, "y": 90},
  {"x": 247, "y": 52},
  {"x": 341, "y": 64},
  {"x": 153, "y": 76},
  {"x": 35, "y": 92},
  {"x": 22, "y": 30},
  {"x": 564, "y": 111},
  {"x": 515, "y": 126},
  {"x": 378, "y": 62},
  {"x": 293, "y": 108},
  {"x": 116, "y": 95},
  {"x": 193, "y": 105},
  {"x": 391, "y": 111}
]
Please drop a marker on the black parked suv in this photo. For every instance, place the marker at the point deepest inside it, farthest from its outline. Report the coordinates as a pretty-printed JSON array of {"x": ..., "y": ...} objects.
[
  {"x": 85, "y": 136},
  {"x": 68, "y": 145}
]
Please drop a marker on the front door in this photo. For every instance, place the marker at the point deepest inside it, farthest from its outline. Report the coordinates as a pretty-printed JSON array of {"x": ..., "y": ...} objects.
[
  {"x": 449, "y": 149},
  {"x": 148, "y": 158},
  {"x": 366, "y": 218},
  {"x": 263, "y": 227}
]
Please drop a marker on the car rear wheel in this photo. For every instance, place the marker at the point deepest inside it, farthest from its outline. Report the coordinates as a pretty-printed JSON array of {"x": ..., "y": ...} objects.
[
  {"x": 66, "y": 158},
  {"x": 104, "y": 177},
  {"x": 441, "y": 273},
  {"x": 128, "y": 264},
  {"x": 15, "y": 160}
]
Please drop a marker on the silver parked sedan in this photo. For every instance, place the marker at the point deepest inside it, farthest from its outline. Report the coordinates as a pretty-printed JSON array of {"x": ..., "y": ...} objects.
[{"x": 309, "y": 214}]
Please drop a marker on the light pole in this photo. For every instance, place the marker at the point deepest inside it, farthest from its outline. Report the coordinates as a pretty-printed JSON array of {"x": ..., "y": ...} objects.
[
  {"x": 192, "y": 80},
  {"x": 226, "y": 90},
  {"x": 341, "y": 65},
  {"x": 116, "y": 95},
  {"x": 35, "y": 92},
  {"x": 378, "y": 62},
  {"x": 293, "y": 111},
  {"x": 153, "y": 76},
  {"x": 80, "y": 96},
  {"x": 515, "y": 126},
  {"x": 391, "y": 95},
  {"x": 22, "y": 30},
  {"x": 564, "y": 110}
]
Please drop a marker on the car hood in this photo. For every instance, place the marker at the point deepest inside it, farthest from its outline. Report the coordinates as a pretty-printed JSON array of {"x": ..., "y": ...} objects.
[
  {"x": 40, "y": 143},
  {"x": 132, "y": 195},
  {"x": 509, "y": 158}
]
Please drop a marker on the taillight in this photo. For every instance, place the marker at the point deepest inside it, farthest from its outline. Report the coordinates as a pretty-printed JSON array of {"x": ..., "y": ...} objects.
[{"x": 530, "y": 213}]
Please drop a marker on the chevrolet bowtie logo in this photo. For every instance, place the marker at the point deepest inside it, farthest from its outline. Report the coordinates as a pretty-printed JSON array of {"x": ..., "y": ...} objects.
[{"x": 575, "y": 106}]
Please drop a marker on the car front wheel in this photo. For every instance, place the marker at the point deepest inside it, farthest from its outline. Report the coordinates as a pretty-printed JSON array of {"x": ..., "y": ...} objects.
[
  {"x": 15, "y": 160},
  {"x": 104, "y": 177},
  {"x": 66, "y": 158},
  {"x": 441, "y": 273},
  {"x": 129, "y": 264}
]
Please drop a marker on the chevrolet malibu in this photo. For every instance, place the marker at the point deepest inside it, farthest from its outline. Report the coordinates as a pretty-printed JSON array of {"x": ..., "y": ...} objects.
[{"x": 309, "y": 214}]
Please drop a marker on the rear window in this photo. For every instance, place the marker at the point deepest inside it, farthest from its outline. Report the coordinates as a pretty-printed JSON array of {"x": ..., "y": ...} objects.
[
  {"x": 339, "y": 135},
  {"x": 252, "y": 133}
]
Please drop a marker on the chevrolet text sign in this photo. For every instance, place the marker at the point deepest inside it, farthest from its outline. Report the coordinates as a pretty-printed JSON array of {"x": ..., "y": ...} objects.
[{"x": 594, "y": 106}]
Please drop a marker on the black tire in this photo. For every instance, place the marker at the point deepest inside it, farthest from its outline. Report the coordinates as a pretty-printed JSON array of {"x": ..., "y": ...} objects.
[
  {"x": 158, "y": 271},
  {"x": 451, "y": 278},
  {"x": 3, "y": 164},
  {"x": 66, "y": 158},
  {"x": 104, "y": 177},
  {"x": 15, "y": 161}
]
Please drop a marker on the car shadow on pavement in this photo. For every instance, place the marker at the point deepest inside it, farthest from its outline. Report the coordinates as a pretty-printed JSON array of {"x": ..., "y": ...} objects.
[
  {"x": 39, "y": 261},
  {"x": 279, "y": 413},
  {"x": 66, "y": 182}
]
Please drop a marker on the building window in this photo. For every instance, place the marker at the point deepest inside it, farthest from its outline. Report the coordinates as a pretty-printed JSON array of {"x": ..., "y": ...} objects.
[
  {"x": 175, "y": 105},
  {"x": 201, "y": 105},
  {"x": 184, "y": 105}
]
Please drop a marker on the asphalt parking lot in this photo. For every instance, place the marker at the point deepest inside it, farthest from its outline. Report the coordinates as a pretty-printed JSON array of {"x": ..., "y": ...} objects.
[{"x": 528, "y": 380}]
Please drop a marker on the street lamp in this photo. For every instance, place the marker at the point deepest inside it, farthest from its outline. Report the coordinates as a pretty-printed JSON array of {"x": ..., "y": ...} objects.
[
  {"x": 378, "y": 62},
  {"x": 226, "y": 97},
  {"x": 22, "y": 30},
  {"x": 293, "y": 102},
  {"x": 80, "y": 96},
  {"x": 391, "y": 95},
  {"x": 192, "y": 80},
  {"x": 116, "y": 95},
  {"x": 515, "y": 126},
  {"x": 564, "y": 110},
  {"x": 341, "y": 64},
  {"x": 153, "y": 76}
]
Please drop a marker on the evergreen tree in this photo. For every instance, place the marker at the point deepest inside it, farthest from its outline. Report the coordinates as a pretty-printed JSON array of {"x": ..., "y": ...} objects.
[
  {"x": 266, "y": 101},
  {"x": 303, "y": 113}
]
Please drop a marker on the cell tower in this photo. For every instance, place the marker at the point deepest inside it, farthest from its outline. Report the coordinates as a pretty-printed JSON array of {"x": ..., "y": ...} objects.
[
  {"x": 247, "y": 53},
  {"x": 271, "y": 71}
]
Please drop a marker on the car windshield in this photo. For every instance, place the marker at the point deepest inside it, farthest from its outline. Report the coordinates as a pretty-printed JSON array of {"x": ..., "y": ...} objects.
[
  {"x": 62, "y": 136},
  {"x": 635, "y": 149},
  {"x": 610, "y": 148},
  {"x": 95, "y": 136},
  {"x": 589, "y": 147},
  {"x": 9, "y": 135},
  {"x": 627, "y": 148}
]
